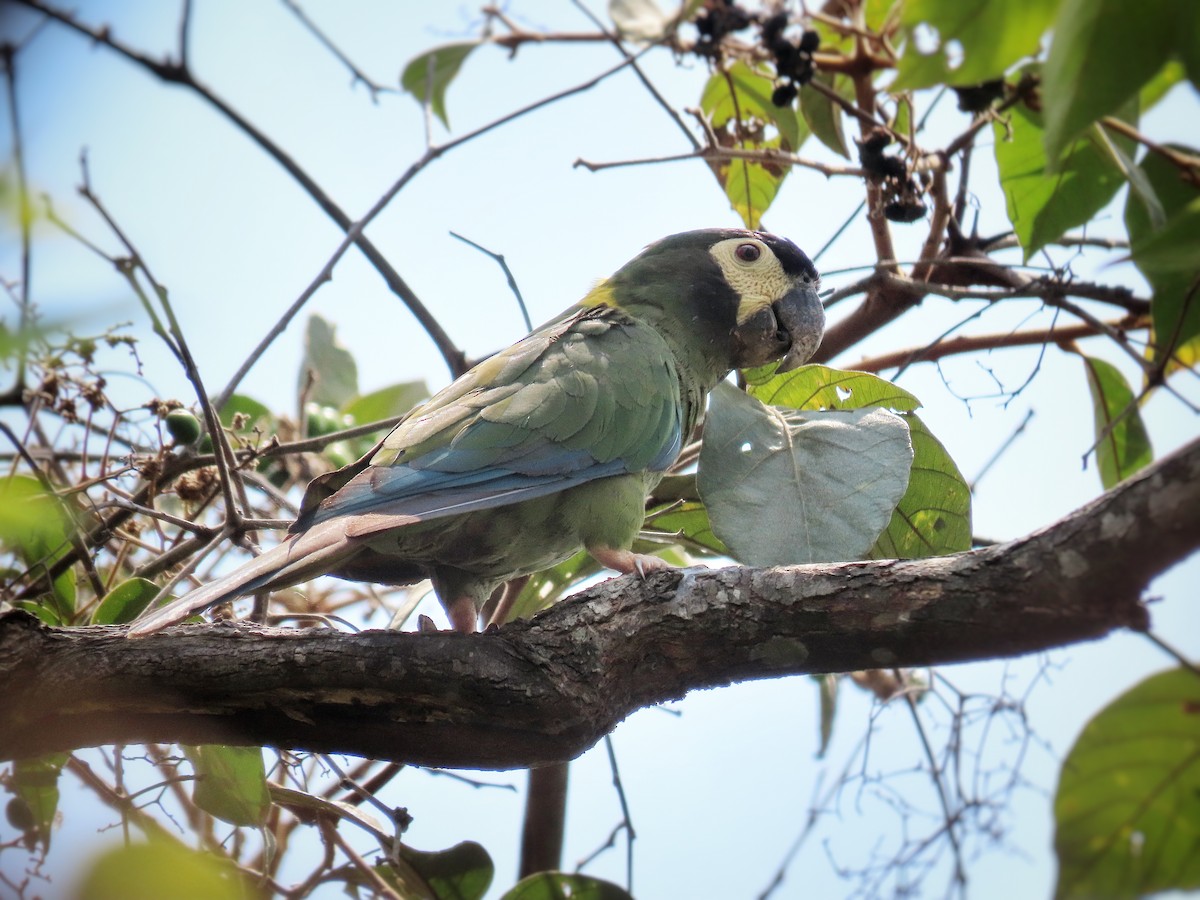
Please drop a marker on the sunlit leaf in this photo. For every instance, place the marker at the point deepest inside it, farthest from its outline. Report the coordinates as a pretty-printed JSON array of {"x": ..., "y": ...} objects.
[
  {"x": 691, "y": 523},
  {"x": 427, "y": 76},
  {"x": 1044, "y": 205},
  {"x": 976, "y": 40},
  {"x": 296, "y": 799},
  {"x": 638, "y": 20},
  {"x": 250, "y": 412},
  {"x": 561, "y": 886},
  {"x": 231, "y": 783},
  {"x": 125, "y": 602},
  {"x": 1127, "y": 811},
  {"x": 822, "y": 387},
  {"x": 1124, "y": 446},
  {"x": 332, "y": 366},
  {"x": 933, "y": 517},
  {"x": 789, "y": 486},
  {"x": 161, "y": 868},
  {"x": 34, "y": 526},
  {"x": 1101, "y": 54},
  {"x": 745, "y": 93},
  {"x": 547, "y": 586}
]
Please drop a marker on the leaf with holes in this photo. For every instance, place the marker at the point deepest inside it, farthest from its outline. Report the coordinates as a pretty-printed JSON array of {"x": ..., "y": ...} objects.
[
  {"x": 1127, "y": 810},
  {"x": 789, "y": 486}
]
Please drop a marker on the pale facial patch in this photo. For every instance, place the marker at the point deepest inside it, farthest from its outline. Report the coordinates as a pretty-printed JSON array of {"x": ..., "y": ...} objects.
[{"x": 759, "y": 282}]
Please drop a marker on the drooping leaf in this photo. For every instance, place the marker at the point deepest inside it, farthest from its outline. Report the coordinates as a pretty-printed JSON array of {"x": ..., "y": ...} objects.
[
  {"x": 427, "y": 76},
  {"x": 1175, "y": 308},
  {"x": 933, "y": 517},
  {"x": 333, "y": 367},
  {"x": 231, "y": 783},
  {"x": 788, "y": 486},
  {"x": 982, "y": 36},
  {"x": 1043, "y": 204},
  {"x": 822, "y": 115},
  {"x": 161, "y": 868},
  {"x": 1123, "y": 446},
  {"x": 1175, "y": 248},
  {"x": 561, "y": 886},
  {"x": 348, "y": 812},
  {"x": 828, "y": 689},
  {"x": 33, "y": 807},
  {"x": 463, "y": 872},
  {"x": 1101, "y": 54},
  {"x": 125, "y": 602},
  {"x": 1127, "y": 810}
]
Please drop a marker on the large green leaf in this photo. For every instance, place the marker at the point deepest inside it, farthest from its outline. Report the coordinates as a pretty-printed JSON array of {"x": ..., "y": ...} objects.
[
  {"x": 1127, "y": 811},
  {"x": 1175, "y": 308},
  {"x": 822, "y": 387},
  {"x": 822, "y": 115},
  {"x": 1102, "y": 52},
  {"x": 231, "y": 783},
  {"x": 561, "y": 886},
  {"x": 742, "y": 93},
  {"x": 1043, "y": 205},
  {"x": 427, "y": 76},
  {"x": 386, "y": 403},
  {"x": 34, "y": 527},
  {"x": 161, "y": 868},
  {"x": 788, "y": 486},
  {"x": 933, "y": 517},
  {"x": 1123, "y": 445},
  {"x": 989, "y": 37},
  {"x": 333, "y": 367}
]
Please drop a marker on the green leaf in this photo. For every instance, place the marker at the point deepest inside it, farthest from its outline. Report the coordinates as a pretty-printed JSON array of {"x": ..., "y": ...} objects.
[
  {"x": 1175, "y": 247},
  {"x": 1158, "y": 86},
  {"x": 744, "y": 94},
  {"x": 125, "y": 602},
  {"x": 443, "y": 64},
  {"x": 546, "y": 587},
  {"x": 1127, "y": 810},
  {"x": 989, "y": 37},
  {"x": 825, "y": 483},
  {"x": 1123, "y": 445},
  {"x": 933, "y": 517},
  {"x": 822, "y": 115},
  {"x": 334, "y": 368},
  {"x": 253, "y": 414},
  {"x": 1175, "y": 307},
  {"x": 329, "y": 806},
  {"x": 386, "y": 403},
  {"x": 231, "y": 783},
  {"x": 162, "y": 868},
  {"x": 560, "y": 886},
  {"x": 1043, "y": 206},
  {"x": 464, "y": 872},
  {"x": 34, "y": 804},
  {"x": 1101, "y": 54},
  {"x": 822, "y": 387},
  {"x": 828, "y": 685}
]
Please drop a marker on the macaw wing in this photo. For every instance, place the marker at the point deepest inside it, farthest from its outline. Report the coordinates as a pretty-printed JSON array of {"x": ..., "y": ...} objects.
[{"x": 591, "y": 395}]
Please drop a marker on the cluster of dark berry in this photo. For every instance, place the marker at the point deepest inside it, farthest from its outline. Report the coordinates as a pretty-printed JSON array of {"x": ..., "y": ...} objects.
[
  {"x": 976, "y": 98},
  {"x": 904, "y": 202},
  {"x": 717, "y": 19},
  {"x": 793, "y": 58}
]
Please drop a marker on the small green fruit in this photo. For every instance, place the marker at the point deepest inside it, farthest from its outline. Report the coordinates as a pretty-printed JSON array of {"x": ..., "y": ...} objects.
[{"x": 183, "y": 426}]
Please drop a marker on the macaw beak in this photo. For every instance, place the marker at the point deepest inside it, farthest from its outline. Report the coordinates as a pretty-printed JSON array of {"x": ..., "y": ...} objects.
[{"x": 799, "y": 313}]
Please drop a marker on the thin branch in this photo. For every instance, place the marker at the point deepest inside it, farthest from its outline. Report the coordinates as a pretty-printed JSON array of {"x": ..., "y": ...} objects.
[
  {"x": 503, "y": 263},
  {"x": 358, "y": 77}
]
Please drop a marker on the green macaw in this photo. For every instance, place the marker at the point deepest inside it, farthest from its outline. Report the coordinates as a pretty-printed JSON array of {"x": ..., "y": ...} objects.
[{"x": 553, "y": 444}]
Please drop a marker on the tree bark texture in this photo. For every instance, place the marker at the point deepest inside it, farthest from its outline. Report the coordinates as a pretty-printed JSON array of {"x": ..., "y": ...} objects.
[{"x": 544, "y": 690}]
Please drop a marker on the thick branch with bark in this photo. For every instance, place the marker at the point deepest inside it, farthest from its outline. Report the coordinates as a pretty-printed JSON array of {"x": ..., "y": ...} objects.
[{"x": 546, "y": 689}]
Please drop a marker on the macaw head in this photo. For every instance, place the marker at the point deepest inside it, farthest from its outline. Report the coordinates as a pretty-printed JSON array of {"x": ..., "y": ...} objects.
[{"x": 729, "y": 297}]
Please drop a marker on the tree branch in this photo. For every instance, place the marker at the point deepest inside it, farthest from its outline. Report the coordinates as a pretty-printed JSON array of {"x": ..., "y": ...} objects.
[{"x": 546, "y": 689}]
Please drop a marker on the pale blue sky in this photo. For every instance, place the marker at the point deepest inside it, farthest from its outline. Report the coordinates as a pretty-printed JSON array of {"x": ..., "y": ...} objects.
[{"x": 718, "y": 793}]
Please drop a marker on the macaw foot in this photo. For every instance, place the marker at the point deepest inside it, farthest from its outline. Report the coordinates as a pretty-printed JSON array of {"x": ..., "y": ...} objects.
[
  {"x": 464, "y": 617},
  {"x": 627, "y": 562}
]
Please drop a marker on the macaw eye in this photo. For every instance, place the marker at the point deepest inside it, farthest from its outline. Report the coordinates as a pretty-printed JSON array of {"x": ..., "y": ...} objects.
[{"x": 748, "y": 253}]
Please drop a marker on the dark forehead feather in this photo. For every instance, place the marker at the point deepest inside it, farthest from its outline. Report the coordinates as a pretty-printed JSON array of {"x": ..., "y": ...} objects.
[{"x": 791, "y": 257}]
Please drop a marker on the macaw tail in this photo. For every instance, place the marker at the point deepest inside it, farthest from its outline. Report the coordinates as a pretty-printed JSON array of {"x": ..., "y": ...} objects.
[{"x": 298, "y": 559}]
